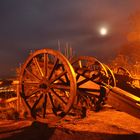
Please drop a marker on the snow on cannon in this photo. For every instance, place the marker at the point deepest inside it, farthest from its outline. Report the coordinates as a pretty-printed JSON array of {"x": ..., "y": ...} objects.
[{"x": 51, "y": 85}]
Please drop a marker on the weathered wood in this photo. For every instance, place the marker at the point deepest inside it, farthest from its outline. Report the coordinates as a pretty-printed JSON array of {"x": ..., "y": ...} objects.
[{"x": 124, "y": 101}]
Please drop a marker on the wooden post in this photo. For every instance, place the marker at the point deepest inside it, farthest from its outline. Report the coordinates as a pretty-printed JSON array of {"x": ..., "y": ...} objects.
[
  {"x": 18, "y": 94},
  {"x": 59, "y": 47},
  {"x": 67, "y": 52},
  {"x": 71, "y": 54},
  {"x": 18, "y": 98}
]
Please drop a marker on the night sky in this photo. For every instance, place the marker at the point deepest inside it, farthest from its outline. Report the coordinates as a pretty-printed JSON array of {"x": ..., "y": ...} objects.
[{"x": 27, "y": 25}]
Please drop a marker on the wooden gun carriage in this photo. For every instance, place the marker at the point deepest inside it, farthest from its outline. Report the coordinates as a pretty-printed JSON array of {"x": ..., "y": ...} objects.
[{"x": 51, "y": 86}]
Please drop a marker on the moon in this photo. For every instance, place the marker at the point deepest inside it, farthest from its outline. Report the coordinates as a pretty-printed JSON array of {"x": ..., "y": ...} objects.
[{"x": 103, "y": 31}]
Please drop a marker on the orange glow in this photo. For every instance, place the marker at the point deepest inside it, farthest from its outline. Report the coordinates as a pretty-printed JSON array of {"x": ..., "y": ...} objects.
[{"x": 133, "y": 36}]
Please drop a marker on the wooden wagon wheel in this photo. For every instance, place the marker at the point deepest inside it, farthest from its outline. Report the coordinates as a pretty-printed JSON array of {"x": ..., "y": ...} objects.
[
  {"x": 91, "y": 74},
  {"x": 112, "y": 80},
  {"x": 47, "y": 85},
  {"x": 90, "y": 68},
  {"x": 127, "y": 77},
  {"x": 123, "y": 71}
]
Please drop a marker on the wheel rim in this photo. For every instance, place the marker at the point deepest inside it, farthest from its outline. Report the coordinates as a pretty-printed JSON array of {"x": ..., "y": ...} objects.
[
  {"x": 88, "y": 96},
  {"x": 112, "y": 80},
  {"x": 48, "y": 85},
  {"x": 90, "y": 64},
  {"x": 123, "y": 71}
]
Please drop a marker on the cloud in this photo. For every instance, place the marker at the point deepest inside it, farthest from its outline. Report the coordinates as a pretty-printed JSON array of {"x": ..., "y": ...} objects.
[{"x": 27, "y": 25}]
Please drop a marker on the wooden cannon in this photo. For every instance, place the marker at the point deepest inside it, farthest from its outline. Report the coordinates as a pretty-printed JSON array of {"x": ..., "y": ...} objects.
[{"x": 51, "y": 86}]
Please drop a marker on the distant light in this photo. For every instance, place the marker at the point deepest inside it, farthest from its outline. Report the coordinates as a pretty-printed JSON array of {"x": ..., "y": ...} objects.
[{"x": 103, "y": 31}]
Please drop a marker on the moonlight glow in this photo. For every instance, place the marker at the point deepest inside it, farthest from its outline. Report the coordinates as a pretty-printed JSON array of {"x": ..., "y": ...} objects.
[{"x": 103, "y": 31}]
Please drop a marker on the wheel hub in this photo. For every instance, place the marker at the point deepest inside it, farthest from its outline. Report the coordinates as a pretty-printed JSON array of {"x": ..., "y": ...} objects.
[{"x": 43, "y": 86}]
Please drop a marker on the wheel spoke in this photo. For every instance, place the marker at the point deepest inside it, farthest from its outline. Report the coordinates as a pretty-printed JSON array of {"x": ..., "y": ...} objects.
[
  {"x": 67, "y": 79},
  {"x": 62, "y": 81},
  {"x": 45, "y": 65},
  {"x": 52, "y": 103},
  {"x": 45, "y": 105},
  {"x": 37, "y": 101},
  {"x": 58, "y": 76},
  {"x": 77, "y": 76},
  {"x": 58, "y": 97},
  {"x": 60, "y": 86},
  {"x": 38, "y": 66},
  {"x": 31, "y": 74},
  {"x": 74, "y": 62},
  {"x": 88, "y": 79},
  {"x": 23, "y": 96},
  {"x": 32, "y": 93},
  {"x": 82, "y": 82},
  {"x": 31, "y": 83},
  {"x": 53, "y": 69},
  {"x": 66, "y": 94}
]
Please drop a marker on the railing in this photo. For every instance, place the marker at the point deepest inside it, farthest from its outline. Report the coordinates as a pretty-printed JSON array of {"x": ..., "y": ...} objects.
[{"x": 9, "y": 96}]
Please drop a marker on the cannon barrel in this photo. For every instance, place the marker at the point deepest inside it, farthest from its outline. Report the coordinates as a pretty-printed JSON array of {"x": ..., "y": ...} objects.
[{"x": 124, "y": 101}]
